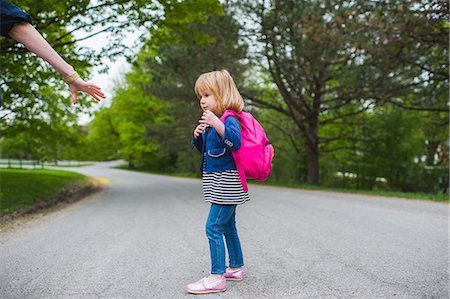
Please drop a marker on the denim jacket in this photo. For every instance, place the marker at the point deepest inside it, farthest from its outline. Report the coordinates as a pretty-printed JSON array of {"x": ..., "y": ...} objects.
[{"x": 216, "y": 151}]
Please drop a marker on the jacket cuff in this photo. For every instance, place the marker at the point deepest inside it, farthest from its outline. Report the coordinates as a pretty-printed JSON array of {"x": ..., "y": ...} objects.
[{"x": 228, "y": 143}]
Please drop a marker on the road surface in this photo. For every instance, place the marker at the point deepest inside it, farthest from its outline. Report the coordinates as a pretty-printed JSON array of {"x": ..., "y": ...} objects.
[{"x": 143, "y": 237}]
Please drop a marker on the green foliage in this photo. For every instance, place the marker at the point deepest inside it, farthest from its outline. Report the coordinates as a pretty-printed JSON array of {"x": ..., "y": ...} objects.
[
  {"x": 36, "y": 118},
  {"x": 386, "y": 151},
  {"x": 356, "y": 89},
  {"x": 102, "y": 139},
  {"x": 176, "y": 27},
  {"x": 361, "y": 142},
  {"x": 163, "y": 79},
  {"x": 40, "y": 139},
  {"x": 123, "y": 130},
  {"x": 332, "y": 61},
  {"x": 31, "y": 89}
]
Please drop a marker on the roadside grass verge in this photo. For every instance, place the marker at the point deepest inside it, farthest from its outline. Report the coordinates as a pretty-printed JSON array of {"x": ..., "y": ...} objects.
[
  {"x": 442, "y": 197},
  {"x": 386, "y": 193},
  {"x": 71, "y": 165},
  {"x": 20, "y": 188}
]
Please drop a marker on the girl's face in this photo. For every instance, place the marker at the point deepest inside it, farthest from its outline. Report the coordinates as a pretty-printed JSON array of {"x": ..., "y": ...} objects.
[{"x": 208, "y": 102}]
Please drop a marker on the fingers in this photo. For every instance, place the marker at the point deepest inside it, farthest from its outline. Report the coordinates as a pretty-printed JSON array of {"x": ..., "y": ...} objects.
[
  {"x": 95, "y": 92},
  {"x": 208, "y": 118},
  {"x": 96, "y": 97},
  {"x": 205, "y": 115},
  {"x": 74, "y": 97},
  {"x": 198, "y": 130},
  {"x": 92, "y": 85},
  {"x": 203, "y": 119}
]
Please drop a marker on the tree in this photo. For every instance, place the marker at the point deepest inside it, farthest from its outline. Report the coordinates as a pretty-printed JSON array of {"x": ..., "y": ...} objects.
[
  {"x": 173, "y": 68},
  {"x": 31, "y": 91},
  {"x": 101, "y": 139},
  {"x": 332, "y": 61}
]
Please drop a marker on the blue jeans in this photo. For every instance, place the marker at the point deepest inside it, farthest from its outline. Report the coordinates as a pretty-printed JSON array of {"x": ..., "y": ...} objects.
[{"x": 222, "y": 222}]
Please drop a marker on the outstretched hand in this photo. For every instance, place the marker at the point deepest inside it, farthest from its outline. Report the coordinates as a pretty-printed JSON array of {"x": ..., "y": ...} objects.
[{"x": 87, "y": 87}]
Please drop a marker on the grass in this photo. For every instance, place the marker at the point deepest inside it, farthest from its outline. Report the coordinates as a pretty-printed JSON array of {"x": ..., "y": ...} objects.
[
  {"x": 21, "y": 187},
  {"x": 70, "y": 165},
  {"x": 410, "y": 195}
]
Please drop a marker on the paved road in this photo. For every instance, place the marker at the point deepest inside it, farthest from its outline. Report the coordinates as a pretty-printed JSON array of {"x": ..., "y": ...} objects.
[{"x": 143, "y": 237}]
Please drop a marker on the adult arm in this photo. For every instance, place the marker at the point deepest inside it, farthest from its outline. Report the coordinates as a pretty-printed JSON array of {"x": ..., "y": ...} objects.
[{"x": 26, "y": 34}]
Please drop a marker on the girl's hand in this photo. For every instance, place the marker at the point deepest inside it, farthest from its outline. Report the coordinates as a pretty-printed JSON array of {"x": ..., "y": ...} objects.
[
  {"x": 198, "y": 131},
  {"x": 210, "y": 119},
  {"x": 87, "y": 87}
]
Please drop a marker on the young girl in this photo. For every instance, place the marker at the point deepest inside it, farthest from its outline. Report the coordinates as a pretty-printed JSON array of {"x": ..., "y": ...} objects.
[{"x": 222, "y": 187}]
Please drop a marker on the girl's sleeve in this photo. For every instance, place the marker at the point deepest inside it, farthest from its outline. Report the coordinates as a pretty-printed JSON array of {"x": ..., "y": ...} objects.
[
  {"x": 232, "y": 137},
  {"x": 198, "y": 143}
]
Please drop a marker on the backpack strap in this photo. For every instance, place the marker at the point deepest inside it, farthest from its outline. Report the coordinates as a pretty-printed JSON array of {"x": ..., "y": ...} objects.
[
  {"x": 240, "y": 168},
  {"x": 236, "y": 156},
  {"x": 227, "y": 113}
]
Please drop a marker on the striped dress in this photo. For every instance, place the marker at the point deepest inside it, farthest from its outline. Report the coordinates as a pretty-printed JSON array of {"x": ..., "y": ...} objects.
[{"x": 224, "y": 188}]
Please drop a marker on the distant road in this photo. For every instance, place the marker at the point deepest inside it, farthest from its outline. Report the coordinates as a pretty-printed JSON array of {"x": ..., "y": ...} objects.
[{"x": 143, "y": 237}]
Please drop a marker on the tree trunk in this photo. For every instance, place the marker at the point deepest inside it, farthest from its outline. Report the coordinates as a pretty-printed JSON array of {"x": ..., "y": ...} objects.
[
  {"x": 312, "y": 136},
  {"x": 130, "y": 164},
  {"x": 313, "y": 163},
  {"x": 431, "y": 151}
]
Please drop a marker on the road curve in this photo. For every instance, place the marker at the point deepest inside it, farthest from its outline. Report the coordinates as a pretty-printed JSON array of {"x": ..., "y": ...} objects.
[{"x": 143, "y": 237}]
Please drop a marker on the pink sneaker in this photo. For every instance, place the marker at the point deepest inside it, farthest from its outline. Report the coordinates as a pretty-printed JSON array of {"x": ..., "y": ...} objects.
[
  {"x": 236, "y": 274},
  {"x": 207, "y": 285}
]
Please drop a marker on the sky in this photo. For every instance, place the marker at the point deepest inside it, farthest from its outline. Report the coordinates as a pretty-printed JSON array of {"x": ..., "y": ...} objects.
[{"x": 117, "y": 69}]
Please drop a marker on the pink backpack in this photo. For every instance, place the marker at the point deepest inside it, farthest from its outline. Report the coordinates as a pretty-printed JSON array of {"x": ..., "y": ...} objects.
[{"x": 254, "y": 157}]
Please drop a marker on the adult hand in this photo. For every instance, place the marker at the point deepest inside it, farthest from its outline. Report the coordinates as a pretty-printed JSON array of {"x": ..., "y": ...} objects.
[
  {"x": 26, "y": 34},
  {"x": 87, "y": 87}
]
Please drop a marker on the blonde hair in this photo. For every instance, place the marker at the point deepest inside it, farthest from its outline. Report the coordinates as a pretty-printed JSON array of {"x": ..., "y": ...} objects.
[{"x": 221, "y": 85}]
